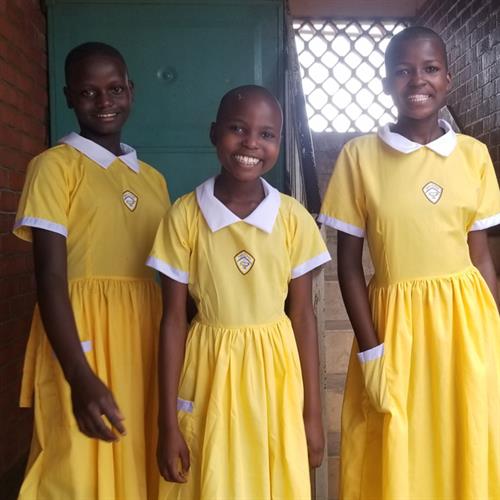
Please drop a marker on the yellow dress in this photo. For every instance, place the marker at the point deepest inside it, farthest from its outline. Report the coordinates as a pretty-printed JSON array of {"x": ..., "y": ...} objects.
[
  {"x": 435, "y": 383},
  {"x": 240, "y": 395},
  {"x": 108, "y": 208}
]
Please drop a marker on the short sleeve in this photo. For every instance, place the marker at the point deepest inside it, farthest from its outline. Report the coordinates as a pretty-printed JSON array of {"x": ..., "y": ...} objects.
[
  {"x": 488, "y": 208},
  {"x": 45, "y": 199},
  {"x": 344, "y": 206},
  {"x": 307, "y": 248},
  {"x": 171, "y": 251}
]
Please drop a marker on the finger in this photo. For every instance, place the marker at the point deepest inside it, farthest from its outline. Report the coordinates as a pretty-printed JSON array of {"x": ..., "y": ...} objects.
[
  {"x": 185, "y": 460},
  {"x": 97, "y": 425},
  {"x": 174, "y": 472},
  {"x": 114, "y": 415}
]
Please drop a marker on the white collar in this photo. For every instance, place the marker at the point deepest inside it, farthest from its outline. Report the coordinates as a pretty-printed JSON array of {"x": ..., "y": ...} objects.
[
  {"x": 443, "y": 145},
  {"x": 219, "y": 216},
  {"x": 100, "y": 155}
]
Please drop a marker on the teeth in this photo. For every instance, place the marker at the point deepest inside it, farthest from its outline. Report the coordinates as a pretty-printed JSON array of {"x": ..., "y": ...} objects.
[
  {"x": 247, "y": 160},
  {"x": 418, "y": 98},
  {"x": 106, "y": 115}
]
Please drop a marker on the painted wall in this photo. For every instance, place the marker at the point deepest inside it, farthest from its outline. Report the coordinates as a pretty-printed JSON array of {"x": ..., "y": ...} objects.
[{"x": 359, "y": 8}]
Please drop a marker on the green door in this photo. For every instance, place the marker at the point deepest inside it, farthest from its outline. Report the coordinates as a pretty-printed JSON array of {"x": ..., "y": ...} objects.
[{"x": 182, "y": 58}]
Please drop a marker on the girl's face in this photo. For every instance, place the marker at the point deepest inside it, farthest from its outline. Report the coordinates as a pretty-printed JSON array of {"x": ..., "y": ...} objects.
[
  {"x": 99, "y": 92},
  {"x": 418, "y": 79},
  {"x": 247, "y": 136}
]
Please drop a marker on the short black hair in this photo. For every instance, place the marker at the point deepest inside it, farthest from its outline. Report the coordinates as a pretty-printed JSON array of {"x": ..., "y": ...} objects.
[
  {"x": 89, "y": 49},
  {"x": 239, "y": 92},
  {"x": 412, "y": 33}
]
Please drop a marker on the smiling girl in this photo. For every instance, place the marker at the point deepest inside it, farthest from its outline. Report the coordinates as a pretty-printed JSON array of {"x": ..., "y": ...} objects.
[
  {"x": 91, "y": 209},
  {"x": 239, "y": 387},
  {"x": 422, "y": 400}
]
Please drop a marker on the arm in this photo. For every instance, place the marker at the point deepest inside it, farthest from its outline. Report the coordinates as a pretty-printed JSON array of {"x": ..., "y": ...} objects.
[
  {"x": 172, "y": 447},
  {"x": 353, "y": 288},
  {"x": 301, "y": 313},
  {"x": 90, "y": 397},
  {"x": 481, "y": 258}
]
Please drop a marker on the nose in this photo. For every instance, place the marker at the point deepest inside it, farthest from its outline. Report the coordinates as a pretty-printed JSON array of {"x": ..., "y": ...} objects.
[
  {"x": 417, "y": 78},
  {"x": 103, "y": 100},
  {"x": 251, "y": 141}
]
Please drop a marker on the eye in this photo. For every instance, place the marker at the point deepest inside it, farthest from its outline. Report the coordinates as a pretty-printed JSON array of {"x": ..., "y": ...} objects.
[
  {"x": 88, "y": 93},
  {"x": 431, "y": 69},
  {"x": 118, "y": 90},
  {"x": 267, "y": 134},
  {"x": 236, "y": 129},
  {"x": 402, "y": 72}
]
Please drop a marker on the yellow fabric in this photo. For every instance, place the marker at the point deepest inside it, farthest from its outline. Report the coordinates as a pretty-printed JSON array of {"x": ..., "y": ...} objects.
[
  {"x": 439, "y": 438},
  {"x": 117, "y": 308},
  {"x": 376, "y": 383},
  {"x": 241, "y": 370}
]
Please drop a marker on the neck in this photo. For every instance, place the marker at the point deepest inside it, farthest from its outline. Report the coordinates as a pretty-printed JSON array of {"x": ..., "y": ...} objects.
[
  {"x": 419, "y": 131},
  {"x": 233, "y": 189},
  {"x": 241, "y": 197},
  {"x": 109, "y": 142}
]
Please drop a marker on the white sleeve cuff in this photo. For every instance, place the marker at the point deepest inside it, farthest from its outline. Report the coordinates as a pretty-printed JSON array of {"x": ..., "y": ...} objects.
[
  {"x": 171, "y": 272},
  {"x": 371, "y": 354},
  {"x": 486, "y": 223},
  {"x": 310, "y": 264},
  {"x": 41, "y": 224},
  {"x": 341, "y": 226}
]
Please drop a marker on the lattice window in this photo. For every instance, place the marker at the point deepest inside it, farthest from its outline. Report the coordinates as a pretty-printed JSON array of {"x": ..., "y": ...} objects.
[{"x": 342, "y": 66}]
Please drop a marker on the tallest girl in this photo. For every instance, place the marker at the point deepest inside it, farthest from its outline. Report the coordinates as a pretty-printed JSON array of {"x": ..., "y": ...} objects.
[{"x": 421, "y": 415}]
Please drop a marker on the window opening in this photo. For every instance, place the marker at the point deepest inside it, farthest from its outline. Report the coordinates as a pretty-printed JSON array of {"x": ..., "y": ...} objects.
[{"x": 342, "y": 66}]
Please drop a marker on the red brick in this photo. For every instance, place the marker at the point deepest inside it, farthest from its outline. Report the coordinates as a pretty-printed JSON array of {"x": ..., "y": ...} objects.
[
  {"x": 14, "y": 265},
  {"x": 16, "y": 180},
  {"x": 10, "y": 116},
  {"x": 11, "y": 350},
  {"x": 31, "y": 146},
  {"x": 17, "y": 327},
  {"x": 8, "y": 201},
  {"x": 9, "y": 287},
  {"x": 6, "y": 223},
  {"x": 10, "y": 244}
]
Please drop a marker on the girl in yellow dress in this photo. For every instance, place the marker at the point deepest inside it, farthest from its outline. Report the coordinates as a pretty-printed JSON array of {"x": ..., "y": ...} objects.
[
  {"x": 91, "y": 209},
  {"x": 239, "y": 386},
  {"x": 422, "y": 401}
]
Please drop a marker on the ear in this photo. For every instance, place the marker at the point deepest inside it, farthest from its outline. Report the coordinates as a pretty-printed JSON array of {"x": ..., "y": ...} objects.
[
  {"x": 68, "y": 97},
  {"x": 450, "y": 81},
  {"x": 131, "y": 86},
  {"x": 213, "y": 135}
]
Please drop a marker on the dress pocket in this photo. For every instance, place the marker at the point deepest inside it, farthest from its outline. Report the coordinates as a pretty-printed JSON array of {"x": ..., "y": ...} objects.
[
  {"x": 185, "y": 409},
  {"x": 375, "y": 377}
]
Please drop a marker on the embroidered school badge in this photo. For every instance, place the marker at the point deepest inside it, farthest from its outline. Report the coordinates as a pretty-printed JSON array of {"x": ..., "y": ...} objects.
[
  {"x": 130, "y": 200},
  {"x": 432, "y": 192},
  {"x": 244, "y": 262}
]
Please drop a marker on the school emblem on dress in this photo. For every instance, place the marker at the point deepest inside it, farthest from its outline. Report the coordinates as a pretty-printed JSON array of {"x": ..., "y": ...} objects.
[
  {"x": 244, "y": 261},
  {"x": 433, "y": 192},
  {"x": 130, "y": 200}
]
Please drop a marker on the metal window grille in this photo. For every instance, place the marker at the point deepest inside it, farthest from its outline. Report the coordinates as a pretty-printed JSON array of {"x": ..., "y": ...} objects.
[{"x": 342, "y": 66}]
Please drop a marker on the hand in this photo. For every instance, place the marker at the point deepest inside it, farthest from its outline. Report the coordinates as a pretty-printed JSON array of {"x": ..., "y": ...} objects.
[
  {"x": 91, "y": 401},
  {"x": 315, "y": 440},
  {"x": 173, "y": 456}
]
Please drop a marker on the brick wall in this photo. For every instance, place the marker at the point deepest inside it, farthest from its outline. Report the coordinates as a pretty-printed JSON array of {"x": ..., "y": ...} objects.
[
  {"x": 471, "y": 30},
  {"x": 23, "y": 133}
]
